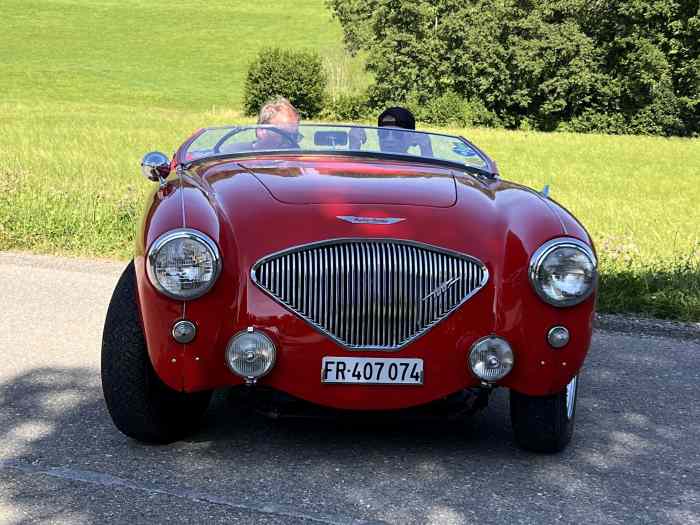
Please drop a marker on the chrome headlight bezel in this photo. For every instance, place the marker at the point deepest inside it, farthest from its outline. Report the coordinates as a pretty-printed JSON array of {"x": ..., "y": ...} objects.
[
  {"x": 496, "y": 346},
  {"x": 265, "y": 340},
  {"x": 182, "y": 233},
  {"x": 545, "y": 251}
]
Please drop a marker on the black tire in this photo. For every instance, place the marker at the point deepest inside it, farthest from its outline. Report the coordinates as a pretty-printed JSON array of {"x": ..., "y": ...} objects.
[
  {"x": 543, "y": 424},
  {"x": 140, "y": 404}
]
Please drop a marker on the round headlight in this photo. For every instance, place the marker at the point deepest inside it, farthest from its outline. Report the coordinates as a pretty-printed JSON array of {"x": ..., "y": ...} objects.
[
  {"x": 183, "y": 264},
  {"x": 491, "y": 358},
  {"x": 563, "y": 272},
  {"x": 250, "y": 354}
]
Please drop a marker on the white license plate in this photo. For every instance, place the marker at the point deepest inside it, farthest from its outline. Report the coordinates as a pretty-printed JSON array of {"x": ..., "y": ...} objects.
[{"x": 372, "y": 370}]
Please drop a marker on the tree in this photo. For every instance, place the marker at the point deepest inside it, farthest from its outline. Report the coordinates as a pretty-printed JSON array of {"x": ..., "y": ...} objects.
[{"x": 623, "y": 66}]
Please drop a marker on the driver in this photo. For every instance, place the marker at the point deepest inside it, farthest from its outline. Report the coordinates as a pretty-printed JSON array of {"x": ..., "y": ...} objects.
[
  {"x": 392, "y": 138},
  {"x": 283, "y": 119},
  {"x": 281, "y": 114}
]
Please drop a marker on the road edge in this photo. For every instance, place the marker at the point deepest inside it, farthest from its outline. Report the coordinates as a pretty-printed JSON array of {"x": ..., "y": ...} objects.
[
  {"x": 621, "y": 323},
  {"x": 647, "y": 326}
]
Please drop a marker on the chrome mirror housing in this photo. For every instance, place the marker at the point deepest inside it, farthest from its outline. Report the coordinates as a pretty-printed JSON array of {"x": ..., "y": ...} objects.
[{"x": 155, "y": 166}]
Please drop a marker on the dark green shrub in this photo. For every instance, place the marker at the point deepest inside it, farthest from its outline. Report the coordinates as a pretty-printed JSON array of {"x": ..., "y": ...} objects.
[
  {"x": 476, "y": 114},
  {"x": 346, "y": 106},
  {"x": 450, "y": 109},
  {"x": 592, "y": 122},
  {"x": 446, "y": 109},
  {"x": 296, "y": 75}
]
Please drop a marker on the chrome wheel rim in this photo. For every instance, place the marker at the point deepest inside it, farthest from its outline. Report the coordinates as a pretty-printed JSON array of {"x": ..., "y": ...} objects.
[{"x": 571, "y": 397}]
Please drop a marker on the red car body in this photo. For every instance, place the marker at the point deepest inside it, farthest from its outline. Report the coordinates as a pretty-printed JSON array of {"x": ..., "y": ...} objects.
[{"x": 255, "y": 206}]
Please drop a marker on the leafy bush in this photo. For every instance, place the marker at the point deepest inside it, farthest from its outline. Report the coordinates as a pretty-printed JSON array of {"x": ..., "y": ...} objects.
[
  {"x": 347, "y": 106},
  {"x": 476, "y": 114},
  {"x": 447, "y": 108},
  {"x": 621, "y": 66},
  {"x": 296, "y": 75},
  {"x": 453, "y": 110},
  {"x": 592, "y": 122}
]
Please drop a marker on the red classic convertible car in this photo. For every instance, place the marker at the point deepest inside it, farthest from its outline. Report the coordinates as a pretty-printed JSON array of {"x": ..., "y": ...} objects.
[{"x": 355, "y": 268}]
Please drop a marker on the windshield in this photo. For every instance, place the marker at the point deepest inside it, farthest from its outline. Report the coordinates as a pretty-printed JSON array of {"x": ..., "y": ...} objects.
[{"x": 319, "y": 138}]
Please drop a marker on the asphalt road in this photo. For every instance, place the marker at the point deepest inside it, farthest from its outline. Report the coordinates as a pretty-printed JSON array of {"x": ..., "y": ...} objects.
[{"x": 634, "y": 458}]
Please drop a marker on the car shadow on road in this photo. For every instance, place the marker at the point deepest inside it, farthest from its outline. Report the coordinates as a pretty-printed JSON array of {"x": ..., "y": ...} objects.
[{"x": 634, "y": 451}]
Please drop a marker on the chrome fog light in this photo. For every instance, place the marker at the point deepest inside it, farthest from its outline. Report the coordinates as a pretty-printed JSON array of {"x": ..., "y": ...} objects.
[
  {"x": 558, "y": 337},
  {"x": 250, "y": 354},
  {"x": 184, "y": 331},
  {"x": 491, "y": 358}
]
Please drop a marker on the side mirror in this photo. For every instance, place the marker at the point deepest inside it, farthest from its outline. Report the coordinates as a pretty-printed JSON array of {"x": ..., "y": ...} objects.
[{"x": 155, "y": 166}]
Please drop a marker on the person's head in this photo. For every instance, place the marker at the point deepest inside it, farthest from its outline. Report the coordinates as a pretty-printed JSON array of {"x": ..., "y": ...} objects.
[
  {"x": 281, "y": 114},
  {"x": 392, "y": 138},
  {"x": 397, "y": 117}
]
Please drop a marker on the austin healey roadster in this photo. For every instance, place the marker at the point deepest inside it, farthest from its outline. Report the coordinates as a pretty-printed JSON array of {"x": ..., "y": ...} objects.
[{"x": 357, "y": 269}]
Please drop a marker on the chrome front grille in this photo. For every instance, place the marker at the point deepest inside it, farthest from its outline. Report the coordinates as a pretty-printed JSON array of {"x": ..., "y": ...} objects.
[{"x": 370, "y": 293}]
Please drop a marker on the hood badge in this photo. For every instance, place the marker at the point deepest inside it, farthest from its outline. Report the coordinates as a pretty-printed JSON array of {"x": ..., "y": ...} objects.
[
  {"x": 442, "y": 288},
  {"x": 370, "y": 220}
]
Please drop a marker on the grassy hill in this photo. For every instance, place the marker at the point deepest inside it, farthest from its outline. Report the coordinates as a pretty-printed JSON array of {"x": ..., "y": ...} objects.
[
  {"x": 149, "y": 53},
  {"x": 88, "y": 86}
]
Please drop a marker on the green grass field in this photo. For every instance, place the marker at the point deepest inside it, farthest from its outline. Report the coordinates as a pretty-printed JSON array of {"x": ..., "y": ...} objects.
[
  {"x": 89, "y": 86},
  {"x": 140, "y": 54}
]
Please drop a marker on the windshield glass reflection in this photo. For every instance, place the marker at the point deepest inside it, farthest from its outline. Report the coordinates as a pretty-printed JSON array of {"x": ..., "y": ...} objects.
[{"x": 214, "y": 142}]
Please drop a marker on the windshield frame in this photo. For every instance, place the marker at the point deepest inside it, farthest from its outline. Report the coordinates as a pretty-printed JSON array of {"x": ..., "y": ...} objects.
[{"x": 490, "y": 171}]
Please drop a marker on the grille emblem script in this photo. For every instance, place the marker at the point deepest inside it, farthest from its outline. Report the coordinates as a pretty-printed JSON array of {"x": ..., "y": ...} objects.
[
  {"x": 442, "y": 288},
  {"x": 370, "y": 220}
]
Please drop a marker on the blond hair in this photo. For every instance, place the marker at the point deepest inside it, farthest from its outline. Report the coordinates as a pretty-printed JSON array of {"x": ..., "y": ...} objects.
[{"x": 275, "y": 106}]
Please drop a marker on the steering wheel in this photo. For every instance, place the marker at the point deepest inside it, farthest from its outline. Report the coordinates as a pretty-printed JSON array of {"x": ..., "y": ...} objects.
[{"x": 288, "y": 137}]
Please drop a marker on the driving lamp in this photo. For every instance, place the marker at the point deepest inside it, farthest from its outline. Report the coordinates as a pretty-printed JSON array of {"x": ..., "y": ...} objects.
[
  {"x": 184, "y": 331},
  {"x": 491, "y": 358},
  {"x": 183, "y": 264},
  {"x": 563, "y": 272},
  {"x": 250, "y": 354},
  {"x": 558, "y": 337}
]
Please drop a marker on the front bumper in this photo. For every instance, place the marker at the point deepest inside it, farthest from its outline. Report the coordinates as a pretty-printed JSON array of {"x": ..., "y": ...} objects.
[{"x": 521, "y": 318}]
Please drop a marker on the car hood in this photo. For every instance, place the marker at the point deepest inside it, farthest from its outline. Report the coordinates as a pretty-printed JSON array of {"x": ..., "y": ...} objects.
[
  {"x": 499, "y": 223},
  {"x": 318, "y": 182}
]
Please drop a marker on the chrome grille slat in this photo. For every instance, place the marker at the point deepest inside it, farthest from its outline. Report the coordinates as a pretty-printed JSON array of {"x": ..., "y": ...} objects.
[
  {"x": 363, "y": 326},
  {"x": 347, "y": 292},
  {"x": 370, "y": 293},
  {"x": 393, "y": 290}
]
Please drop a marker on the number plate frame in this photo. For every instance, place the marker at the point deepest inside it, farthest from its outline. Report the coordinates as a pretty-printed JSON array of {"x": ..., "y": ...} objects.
[{"x": 380, "y": 368}]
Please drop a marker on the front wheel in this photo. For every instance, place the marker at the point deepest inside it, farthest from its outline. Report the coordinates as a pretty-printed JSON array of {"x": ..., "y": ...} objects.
[
  {"x": 140, "y": 404},
  {"x": 546, "y": 423}
]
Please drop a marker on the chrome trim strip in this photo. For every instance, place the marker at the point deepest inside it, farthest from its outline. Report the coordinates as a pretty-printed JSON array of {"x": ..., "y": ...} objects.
[
  {"x": 543, "y": 251},
  {"x": 381, "y": 288},
  {"x": 571, "y": 390},
  {"x": 369, "y": 220},
  {"x": 176, "y": 234}
]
